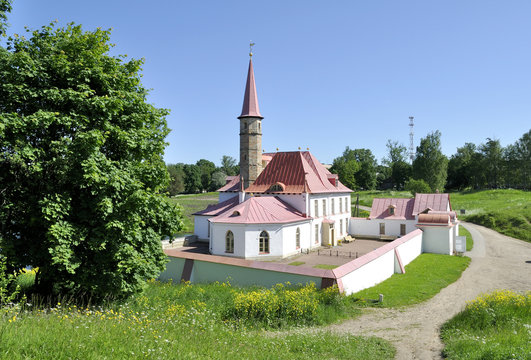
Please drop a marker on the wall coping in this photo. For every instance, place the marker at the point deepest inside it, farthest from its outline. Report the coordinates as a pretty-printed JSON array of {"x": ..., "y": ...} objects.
[
  {"x": 349, "y": 267},
  {"x": 253, "y": 264}
]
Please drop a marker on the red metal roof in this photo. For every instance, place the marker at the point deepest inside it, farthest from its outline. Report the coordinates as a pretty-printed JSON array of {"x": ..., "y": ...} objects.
[
  {"x": 250, "y": 98},
  {"x": 299, "y": 171},
  {"x": 403, "y": 209},
  {"x": 434, "y": 219},
  {"x": 436, "y": 202},
  {"x": 260, "y": 210},
  {"x": 216, "y": 209}
]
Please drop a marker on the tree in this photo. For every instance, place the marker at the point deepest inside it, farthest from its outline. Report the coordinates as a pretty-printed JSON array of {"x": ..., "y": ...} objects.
[
  {"x": 229, "y": 166},
  {"x": 218, "y": 180},
  {"x": 492, "y": 165},
  {"x": 417, "y": 186},
  {"x": 5, "y": 7},
  {"x": 81, "y": 165},
  {"x": 430, "y": 164},
  {"x": 206, "y": 168},
  {"x": 397, "y": 161},
  {"x": 356, "y": 167},
  {"x": 346, "y": 171},
  {"x": 461, "y": 167},
  {"x": 192, "y": 178},
  {"x": 176, "y": 184}
]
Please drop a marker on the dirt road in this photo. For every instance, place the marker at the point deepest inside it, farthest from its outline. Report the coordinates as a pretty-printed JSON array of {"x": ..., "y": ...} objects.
[{"x": 498, "y": 262}]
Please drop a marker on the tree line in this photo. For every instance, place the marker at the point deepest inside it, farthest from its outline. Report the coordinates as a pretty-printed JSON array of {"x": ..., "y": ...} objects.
[{"x": 484, "y": 166}]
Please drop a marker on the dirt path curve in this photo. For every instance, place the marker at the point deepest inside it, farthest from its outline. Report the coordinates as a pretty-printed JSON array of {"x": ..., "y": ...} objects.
[{"x": 498, "y": 262}]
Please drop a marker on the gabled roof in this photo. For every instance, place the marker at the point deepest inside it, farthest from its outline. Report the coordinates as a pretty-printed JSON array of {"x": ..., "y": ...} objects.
[
  {"x": 232, "y": 185},
  {"x": 299, "y": 172},
  {"x": 217, "y": 209},
  {"x": 436, "y": 202},
  {"x": 403, "y": 209},
  {"x": 250, "y": 98},
  {"x": 260, "y": 210}
]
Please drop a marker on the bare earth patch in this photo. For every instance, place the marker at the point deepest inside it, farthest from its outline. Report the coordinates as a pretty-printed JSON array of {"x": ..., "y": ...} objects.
[{"x": 498, "y": 262}]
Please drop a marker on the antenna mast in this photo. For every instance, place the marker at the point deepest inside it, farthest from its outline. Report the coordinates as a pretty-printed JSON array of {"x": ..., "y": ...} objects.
[{"x": 411, "y": 133}]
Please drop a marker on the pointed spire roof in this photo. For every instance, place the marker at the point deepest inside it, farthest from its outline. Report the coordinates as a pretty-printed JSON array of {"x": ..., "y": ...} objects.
[{"x": 250, "y": 99}]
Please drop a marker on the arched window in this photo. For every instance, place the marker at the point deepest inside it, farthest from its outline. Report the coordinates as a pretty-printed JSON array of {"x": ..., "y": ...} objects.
[
  {"x": 229, "y": 242},
  {"x": 277, "y": 187},
  {"x": 264, "y": 243},
  {"x": 298, "y": 238}
]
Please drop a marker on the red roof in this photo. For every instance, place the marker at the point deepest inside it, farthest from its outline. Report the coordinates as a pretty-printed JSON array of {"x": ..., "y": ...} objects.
[
  {"x": 403, "y": 209},
  {"x": 260, "y": 210},
  {"x": 434, "y": 219},
  {"x": 436, "y": 202},
  {"x": 250, "y": 98},
  {"x": 299, "y": 172},
  {"x": 216, "y": 209},
  {"x": 232, "y": 185}
]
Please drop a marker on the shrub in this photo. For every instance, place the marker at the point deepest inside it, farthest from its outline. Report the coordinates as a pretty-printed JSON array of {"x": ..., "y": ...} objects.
[
  {"x": 417, "y": 186},
  {"x": 9, "y": 289}
]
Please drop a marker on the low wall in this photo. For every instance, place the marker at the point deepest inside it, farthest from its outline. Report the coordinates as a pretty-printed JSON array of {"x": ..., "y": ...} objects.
[
  {"x": 380, "y": 264},
  {"x": 201, "y": 268},
  {"x": 351, "y": 277}
]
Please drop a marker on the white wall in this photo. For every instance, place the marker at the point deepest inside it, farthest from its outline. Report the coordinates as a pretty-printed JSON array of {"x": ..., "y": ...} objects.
[
  {"x": 370, "y": 274},
  {"x": 372, "y": 226},
  {"x": 379, "y": 268},
  {"x": 201, "y": 226},
  {"x": 226, "y": 196},
  {"x": 438, "y": 240}
]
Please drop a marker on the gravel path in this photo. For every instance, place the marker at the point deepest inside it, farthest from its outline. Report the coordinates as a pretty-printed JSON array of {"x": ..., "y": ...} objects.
[{"x": 498, "y": 262}]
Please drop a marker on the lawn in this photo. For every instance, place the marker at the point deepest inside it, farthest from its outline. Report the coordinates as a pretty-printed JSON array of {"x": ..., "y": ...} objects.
[
  {"x": 214, "y": 321},
  {"x": 505, "y": 211},
  {"x": 367, "y": 196},
  {"x": 424, "y": 278},
  {"x": 193, "y": 203},
  {"x": 469, "y": 240},
  {"x": 494, "y": 326}
]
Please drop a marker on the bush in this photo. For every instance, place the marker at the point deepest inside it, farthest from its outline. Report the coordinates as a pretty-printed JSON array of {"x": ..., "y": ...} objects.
[
  {"x": 493, "y": 326},
  {"x": 417, "y": 186},
  {"x": 9, "y": 288}
]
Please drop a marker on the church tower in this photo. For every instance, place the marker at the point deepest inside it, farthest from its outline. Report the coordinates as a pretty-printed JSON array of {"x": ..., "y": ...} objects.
[{"x": 250, "y": 132}]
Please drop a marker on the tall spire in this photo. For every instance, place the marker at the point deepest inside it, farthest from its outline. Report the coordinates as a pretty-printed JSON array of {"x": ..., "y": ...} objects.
[{"x": 250, "y": 99}]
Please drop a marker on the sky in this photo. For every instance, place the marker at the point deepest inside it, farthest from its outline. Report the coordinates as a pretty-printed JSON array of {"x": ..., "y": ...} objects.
[{"x": 329, "y": 74}]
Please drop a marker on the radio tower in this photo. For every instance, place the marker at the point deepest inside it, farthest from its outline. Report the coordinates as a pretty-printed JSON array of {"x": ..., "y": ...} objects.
[{"x": 411, "y": 133}]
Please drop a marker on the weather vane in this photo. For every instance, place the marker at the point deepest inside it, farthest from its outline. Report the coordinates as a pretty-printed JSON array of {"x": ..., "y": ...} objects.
[{"x": 251, "y": 44}]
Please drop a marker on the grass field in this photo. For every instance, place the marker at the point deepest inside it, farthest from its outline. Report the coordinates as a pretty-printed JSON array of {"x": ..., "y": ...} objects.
[
  {"x": 193, "y": 203},
  {"x": 184, "y": 321},
  {"x": 506, "y": 211},
  {"x": 494, "y": 326},
  {"x": 424, "y": 278}
]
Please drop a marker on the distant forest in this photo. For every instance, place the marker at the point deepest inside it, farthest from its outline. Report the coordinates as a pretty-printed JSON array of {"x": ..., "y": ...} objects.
[{"x": 473, "y": 166}]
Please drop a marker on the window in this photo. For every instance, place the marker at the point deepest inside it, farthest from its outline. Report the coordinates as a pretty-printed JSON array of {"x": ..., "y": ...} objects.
[
  {"x": 276, "y": 187},
  {"x": 245, "y": 125},
  {"x": 391, "y": 210},
  {"x": 332, "y": 205},
  {"x": 264, "y": 243},
  {"x": 382, "y": 228},
  {"x": 346, "y": 226},
  {"x": 340, "y": 226},
  {"x": 229, "y": 242},
  {"x": 324, "y": 207},
  {"x": 316, "y": 233},
  {"x": 316, "y": 209},
  {"x": 298, "y": 238},
  {"x": 340, "y": 205},
  {"x": 346, "y": 205},
  {"x": 402, "y": 229}
]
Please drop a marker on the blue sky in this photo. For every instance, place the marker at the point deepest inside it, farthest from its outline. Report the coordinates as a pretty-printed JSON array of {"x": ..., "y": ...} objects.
[{"x": 329, "y": 74}]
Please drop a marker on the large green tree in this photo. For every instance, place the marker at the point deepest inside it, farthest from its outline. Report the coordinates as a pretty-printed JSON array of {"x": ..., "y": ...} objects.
[
  {"x": 356, "y": 168},
  {"x": 430, "y": 164},
  {"x": 5, "y": 7},
  {"x": 81, "y": 168}
]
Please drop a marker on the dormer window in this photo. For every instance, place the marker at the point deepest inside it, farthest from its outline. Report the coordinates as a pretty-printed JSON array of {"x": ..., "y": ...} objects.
[
  {"x": 278, "y": 187},
  {"x": 392, "y": 209},
  {"x": 236, "y": 213}
]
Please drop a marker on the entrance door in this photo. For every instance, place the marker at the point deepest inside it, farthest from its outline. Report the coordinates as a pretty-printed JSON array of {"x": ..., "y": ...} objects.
[{"x": 382, "y": 228}]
